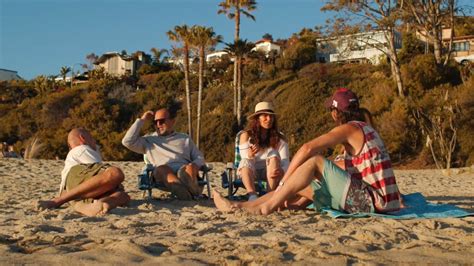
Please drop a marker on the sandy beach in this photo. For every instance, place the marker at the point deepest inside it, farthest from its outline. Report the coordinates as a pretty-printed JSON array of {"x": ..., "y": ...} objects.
[{"x": 168, "y": 231}]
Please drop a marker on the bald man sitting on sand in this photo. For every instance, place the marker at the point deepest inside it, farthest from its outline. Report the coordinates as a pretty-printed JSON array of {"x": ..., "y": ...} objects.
[{"x": 93, "y": 186}]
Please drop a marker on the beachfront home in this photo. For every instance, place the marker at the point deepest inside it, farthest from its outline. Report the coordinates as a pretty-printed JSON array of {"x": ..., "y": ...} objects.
[
  {"x": 117, "y": 64},
  {"x": 364, "y": 47},
  {"x": 267, "y": 46},
  {"x": 6, "y": 75}
]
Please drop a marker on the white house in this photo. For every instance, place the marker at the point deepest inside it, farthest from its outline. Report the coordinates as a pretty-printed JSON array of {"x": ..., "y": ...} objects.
[
  {"x": 215, "y": 56},
  {"x": 117, "y": 64},
  {"x": 267, "y": 46},
  {"x": 59, "y": 79},
  {"x": 356, "y": 48},
  {"x": 7, "y": 75}
]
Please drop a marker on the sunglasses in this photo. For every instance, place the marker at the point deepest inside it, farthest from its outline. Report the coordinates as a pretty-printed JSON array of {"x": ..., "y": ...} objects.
[{"x": 160, "y": 121}]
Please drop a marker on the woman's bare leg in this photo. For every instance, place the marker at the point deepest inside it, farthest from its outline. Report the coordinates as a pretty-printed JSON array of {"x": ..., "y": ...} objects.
[
  {"x": 298, "y": 181},
  {"x": 224, "y": 204},
  {"x": 273, "y": 164},
  {"x": 248, "y": 178}
]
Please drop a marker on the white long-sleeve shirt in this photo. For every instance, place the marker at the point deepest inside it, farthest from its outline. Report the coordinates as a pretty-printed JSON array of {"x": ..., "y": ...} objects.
[
  {"x": 174, "y": 150},
  {"x": 262, "y": 154},
  {"x": 82, "y": 154}
]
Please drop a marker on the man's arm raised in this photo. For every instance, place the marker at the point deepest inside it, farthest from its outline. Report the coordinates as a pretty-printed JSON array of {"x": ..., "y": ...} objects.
[{"x": 132, "y": 139}]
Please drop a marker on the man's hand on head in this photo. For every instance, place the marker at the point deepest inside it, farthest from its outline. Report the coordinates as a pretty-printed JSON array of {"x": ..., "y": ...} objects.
[{"x": 148, "y": 115}]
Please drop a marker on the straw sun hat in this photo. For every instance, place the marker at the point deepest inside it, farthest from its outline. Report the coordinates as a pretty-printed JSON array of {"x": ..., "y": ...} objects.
[{"x": 263, "y": 108}]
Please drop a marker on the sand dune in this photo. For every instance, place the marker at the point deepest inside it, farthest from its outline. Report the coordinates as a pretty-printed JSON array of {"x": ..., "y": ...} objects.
[{"x": 165, "y": 230}]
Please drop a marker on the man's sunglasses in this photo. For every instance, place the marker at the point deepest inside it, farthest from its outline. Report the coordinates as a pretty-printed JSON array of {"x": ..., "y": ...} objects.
[{"x": 160, "y": 121}]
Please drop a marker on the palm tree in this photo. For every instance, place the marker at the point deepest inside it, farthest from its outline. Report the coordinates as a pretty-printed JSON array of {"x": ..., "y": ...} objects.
[
  {"x": 157, "y": 54},
  {"x": 41, "y": 84},
  {"x": 203, "y": 38},
  {"x": 63, "y": 72},
  {"x": 182, "y": 34},
  {"x": 233, "y": 9},
  {"x": 239, "y": 49}
]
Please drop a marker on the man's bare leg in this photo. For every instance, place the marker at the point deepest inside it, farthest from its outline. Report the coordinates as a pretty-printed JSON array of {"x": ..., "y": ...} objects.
[
  {"x": 91, "y": 188},
  {"x": 191, "y": 172},
  {"x": 166, "y": 175},
  {"x": 102, "y": 205}
]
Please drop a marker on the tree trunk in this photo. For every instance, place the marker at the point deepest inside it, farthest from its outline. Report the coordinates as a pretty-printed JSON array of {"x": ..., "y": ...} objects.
[
  {"x": 451, "y": 37},
  {"x": 234, "y": 85},
  {"x": 201, "y": 75},
  {"x": 394, "y": 64},
  {"x": 236, "y": 38},
  {"x": 188, "y": 90},
  {"x": 437, "y": 45},
  {"x": 239, "y": 92}
]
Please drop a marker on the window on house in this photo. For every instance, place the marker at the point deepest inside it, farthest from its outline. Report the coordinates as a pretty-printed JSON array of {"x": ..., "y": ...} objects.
[{"x": 461, "y": 46}]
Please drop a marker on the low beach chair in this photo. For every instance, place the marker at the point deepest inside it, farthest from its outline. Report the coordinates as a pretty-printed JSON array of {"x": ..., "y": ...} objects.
[
  {"x": 146, "y": 182},
  {"x": 231, "y": 180}
]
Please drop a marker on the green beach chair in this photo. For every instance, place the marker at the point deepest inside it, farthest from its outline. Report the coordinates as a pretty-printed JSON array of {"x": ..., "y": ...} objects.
[{"x": 231, "y": 180}]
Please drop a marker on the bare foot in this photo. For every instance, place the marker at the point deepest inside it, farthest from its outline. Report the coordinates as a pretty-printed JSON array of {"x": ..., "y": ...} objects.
[
  {"x": 46, "y": 204},
  {"x": 222, "y": 203},
  {"x": 92, "y": 209}
]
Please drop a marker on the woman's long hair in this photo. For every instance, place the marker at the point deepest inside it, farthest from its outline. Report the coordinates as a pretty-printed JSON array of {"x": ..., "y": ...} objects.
[
  {"x": 271, "y": 139},
  {"x": 355, "y": 114}
]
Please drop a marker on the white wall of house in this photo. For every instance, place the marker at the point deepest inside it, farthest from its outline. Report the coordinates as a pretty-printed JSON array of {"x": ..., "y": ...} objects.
[
  {"x": 6, "y": 74},
  {"x": 116, "y": 65},
  {"x": 267, "y": 47},
  {"x": 360, "y": 47},
  {"x": 215, "y": 56}
]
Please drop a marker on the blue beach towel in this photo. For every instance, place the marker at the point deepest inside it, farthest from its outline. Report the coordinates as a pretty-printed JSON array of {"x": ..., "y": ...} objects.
[{"x": 417, "y": 208}]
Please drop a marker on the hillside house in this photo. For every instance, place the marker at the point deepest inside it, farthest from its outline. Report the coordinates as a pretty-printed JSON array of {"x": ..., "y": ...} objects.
[
  {"x": 365, "y": 47},
  {"x": 216, "y": 56},
  {"x": 463, "y": 46},
  {"x": 267, "y": 46},
  {"x": 117, "y": 64},
  {"x": 6, "y": 75},
  {"x": 463, "y": 49}
]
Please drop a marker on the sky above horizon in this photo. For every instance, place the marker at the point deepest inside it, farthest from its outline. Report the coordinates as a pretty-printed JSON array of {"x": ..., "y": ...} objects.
[{"x": 38, "y": 37}]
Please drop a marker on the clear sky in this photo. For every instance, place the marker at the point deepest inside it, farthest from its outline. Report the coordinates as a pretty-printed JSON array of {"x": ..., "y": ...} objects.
[{"x": 38, "y": 37}]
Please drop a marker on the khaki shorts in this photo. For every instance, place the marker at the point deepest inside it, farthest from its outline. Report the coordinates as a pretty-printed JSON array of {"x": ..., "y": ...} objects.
[{"x": 82, "y": 172}]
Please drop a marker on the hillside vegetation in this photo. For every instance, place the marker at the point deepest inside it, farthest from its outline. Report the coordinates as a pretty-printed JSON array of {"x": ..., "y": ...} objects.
[{"x": 108, "y": 106}]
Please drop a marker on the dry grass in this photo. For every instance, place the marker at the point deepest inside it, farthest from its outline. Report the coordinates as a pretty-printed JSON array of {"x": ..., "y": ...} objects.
[{"x": 34, "y": 148}]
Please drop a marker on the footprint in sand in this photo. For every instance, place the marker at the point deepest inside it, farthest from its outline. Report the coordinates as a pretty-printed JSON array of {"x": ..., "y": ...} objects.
[
  {"x": 48, "y": 228},
  {"x": 156, "y": 249}
]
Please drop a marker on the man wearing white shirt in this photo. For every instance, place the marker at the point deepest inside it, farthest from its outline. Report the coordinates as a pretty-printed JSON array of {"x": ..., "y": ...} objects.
[{"x": 94, "y": 186}]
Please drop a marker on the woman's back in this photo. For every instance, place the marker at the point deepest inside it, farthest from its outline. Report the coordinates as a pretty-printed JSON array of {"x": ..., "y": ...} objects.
[{"x": 374, "y": 167}]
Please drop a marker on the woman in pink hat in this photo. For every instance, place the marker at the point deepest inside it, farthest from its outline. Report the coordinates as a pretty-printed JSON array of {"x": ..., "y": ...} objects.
[
  {"x": 363, "y": 182},
  {"x": 263, "y": 150}
]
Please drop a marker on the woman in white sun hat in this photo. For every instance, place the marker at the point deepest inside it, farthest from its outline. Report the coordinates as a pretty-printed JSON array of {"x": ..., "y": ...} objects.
[{"x": 263, "y": 150}]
